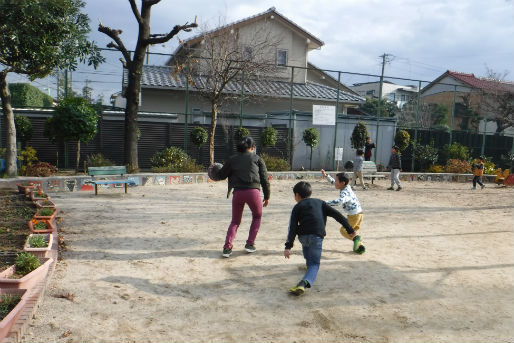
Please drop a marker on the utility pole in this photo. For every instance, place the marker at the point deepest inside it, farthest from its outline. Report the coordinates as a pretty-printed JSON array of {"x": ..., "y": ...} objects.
[{"x": 385, "y": 59}]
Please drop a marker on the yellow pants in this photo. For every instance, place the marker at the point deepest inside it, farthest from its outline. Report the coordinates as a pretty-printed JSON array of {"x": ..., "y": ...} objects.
[{"x": 355, "y": 221}]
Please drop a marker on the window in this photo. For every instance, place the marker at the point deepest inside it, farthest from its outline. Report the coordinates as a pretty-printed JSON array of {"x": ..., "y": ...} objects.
[
  {"x": 370, "y": 92},
  {"x": 281, "y": 57}
]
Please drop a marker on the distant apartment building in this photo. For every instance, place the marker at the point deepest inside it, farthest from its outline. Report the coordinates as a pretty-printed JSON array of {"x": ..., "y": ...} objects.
[{"x": 399, "y": 94}]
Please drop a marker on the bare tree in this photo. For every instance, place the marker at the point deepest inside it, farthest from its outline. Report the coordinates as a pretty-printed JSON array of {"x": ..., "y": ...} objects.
[
  {"x": 498, "y": 102},
  {"x": 134, "y": 65},
  {"x": 224, "y": 55}
]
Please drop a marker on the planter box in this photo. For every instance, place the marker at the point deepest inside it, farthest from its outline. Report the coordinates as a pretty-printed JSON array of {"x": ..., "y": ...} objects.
[
  {"x": 39, "y": 252},
  {"x": 7, "y": 323},
  {"x": 35, "y": 197},
  {"x": 50, "y": 227},
  {"x": 25, "y": 189},
  {"x": 49, "y": 218},
  {"x": 28, "y": 281},
  {"x": 44, "y": 204}
]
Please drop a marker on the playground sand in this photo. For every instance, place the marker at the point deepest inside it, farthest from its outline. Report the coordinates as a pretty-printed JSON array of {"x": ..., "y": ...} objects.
[{"x": 146, "y": 267}]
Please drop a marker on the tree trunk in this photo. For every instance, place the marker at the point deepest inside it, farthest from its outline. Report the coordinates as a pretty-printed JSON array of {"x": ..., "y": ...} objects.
[
  {"x": 10, "y": 158},
  {"x": 214, "y": 118},
  {"x": 310, "y": 161},
  {"x": 132, "y": 94},
  {"x": 78, "y": 158}
]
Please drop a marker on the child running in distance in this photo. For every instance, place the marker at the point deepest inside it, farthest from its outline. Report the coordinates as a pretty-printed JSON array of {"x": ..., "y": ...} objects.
[{"x": 351, "y": 206}]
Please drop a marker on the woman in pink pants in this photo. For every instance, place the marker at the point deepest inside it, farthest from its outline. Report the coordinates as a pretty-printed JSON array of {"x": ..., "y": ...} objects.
[{"x": 247, "y": 173}]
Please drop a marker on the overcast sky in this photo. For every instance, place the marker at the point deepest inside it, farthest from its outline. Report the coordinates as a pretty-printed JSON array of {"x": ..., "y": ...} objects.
[{"x": 424, "y": 38}]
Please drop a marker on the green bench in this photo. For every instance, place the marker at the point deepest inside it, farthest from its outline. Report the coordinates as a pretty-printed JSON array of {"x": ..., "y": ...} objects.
[
  {"x": 369, "y": 170},
  {"x": 118, "y": 171}
]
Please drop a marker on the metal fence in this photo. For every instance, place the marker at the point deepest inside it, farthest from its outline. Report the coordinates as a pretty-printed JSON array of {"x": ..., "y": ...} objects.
[{"x": 173, "y": 107}]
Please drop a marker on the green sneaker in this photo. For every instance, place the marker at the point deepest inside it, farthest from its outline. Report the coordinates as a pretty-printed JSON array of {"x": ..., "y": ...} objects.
[
  {"x": 360, "y": 250},
  {"x": 356, "y": 242},
  {"x": 250, "y": 248},
  {"x": 227, "y": 252},
  {"x": 297, "y": 290}
]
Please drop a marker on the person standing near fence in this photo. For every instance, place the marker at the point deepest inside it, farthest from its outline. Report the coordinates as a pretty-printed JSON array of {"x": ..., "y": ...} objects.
[
  {"x": 368, "y": 146},
  {"x": 246, "y": 172},
  {"x": 395, "y": 164}
]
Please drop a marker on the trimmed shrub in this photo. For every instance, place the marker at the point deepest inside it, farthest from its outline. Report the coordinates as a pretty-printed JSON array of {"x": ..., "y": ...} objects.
[
  {"x": 435, "y": 168},
  {"x": 240, "y": 133},
  {"x": 269, "y": 137},
  {"x": 359, "y": 134},
  {"x": 275, "y": 163},
  {"x": 457, "y": 166},
  {"x": 199, "y": 136},
  {"x": 174, "y": 160},
  {"x": 402, "y": 139},
  {"x": 454, "y": 151}
]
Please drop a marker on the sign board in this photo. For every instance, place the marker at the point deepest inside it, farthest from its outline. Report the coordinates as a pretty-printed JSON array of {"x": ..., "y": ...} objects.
[
  {"x": 323, "y": 115},
  {"x": 338, "y": 156}
]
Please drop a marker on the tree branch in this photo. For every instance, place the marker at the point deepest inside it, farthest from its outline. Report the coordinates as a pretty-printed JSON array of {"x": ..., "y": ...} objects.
[
  {"x": 117, "y": 44},
  {"x": 164, "y": 38},
  {"x": 136, "y": 11}
]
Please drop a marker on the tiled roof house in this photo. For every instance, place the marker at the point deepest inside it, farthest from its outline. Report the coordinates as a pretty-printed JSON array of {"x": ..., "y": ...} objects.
[
  {"x": 441, "y": 91},
  {"x": 161, "y": 91}
]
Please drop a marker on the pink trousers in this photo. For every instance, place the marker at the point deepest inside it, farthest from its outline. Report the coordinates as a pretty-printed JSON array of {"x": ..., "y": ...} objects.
[{"x": 240, "y": 197}]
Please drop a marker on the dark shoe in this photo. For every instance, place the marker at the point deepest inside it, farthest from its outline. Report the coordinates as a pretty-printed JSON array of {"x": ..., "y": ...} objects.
[
  {"x": 390, "y": 189},
  {"x": 399, "y": 189},
  {"x": 482, "y": 186},
  {"x": 360, "y": 250},
  {"x": 356, "y": 242},
  {"x": 250, "y": 248},
  {"x": 227, "y": 252}
]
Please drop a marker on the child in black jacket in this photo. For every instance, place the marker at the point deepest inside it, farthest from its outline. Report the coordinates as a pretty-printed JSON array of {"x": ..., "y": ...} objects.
[{"x": 308, "y": 220}]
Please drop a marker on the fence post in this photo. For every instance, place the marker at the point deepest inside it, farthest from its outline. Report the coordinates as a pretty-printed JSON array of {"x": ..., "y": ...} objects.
[
  {"x": 241, "y": 99},
  {"x": 482, "y": 150},
  {"x": 335, "y": 126},
  {"x": 453, "y": 113},
  {"x": 186, "y": 109},
  {"x": 417, "y": 126},
  {"x": 290, "y": 150},
  {"x": 379, "y": 108}
]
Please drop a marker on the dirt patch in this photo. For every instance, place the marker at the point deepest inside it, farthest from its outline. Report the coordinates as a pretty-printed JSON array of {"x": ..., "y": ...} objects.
[{"x": 146, "y": 267}]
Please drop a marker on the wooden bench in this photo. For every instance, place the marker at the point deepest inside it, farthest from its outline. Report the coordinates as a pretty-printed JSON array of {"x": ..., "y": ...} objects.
[
  {"x": 369, "y": 170},
  {"x": 109, "y": 171}
]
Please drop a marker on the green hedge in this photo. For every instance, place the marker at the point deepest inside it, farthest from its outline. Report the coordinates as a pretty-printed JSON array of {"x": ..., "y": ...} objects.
[{"x": 26, "y": 95}]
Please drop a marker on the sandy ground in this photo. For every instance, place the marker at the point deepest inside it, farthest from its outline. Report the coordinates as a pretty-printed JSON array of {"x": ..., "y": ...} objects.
[{"x": 147, "y": 267}]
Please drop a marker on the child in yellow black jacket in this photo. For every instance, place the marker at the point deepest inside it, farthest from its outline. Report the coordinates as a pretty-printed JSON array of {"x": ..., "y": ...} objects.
[{"x": 478, "y": 171}]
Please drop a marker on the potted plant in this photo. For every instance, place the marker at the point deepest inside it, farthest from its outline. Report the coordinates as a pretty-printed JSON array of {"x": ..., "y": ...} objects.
[
  {"x": 25, "y": 187},
  {"x": 12, "y": 303},
  {"x": 38, "y": 195},
  {"x": 26, "y": 272},
  {"x": 38, "y": 244},
  {"x": 45, "y": 213},
  {"x": 41, "y": 226},
  {"x": 44, "y": 203}
]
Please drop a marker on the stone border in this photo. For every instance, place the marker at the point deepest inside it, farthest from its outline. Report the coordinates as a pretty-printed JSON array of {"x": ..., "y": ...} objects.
[{"x": 84, "y": 182}]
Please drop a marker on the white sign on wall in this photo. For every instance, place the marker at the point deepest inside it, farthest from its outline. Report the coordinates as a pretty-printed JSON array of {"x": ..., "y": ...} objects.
[
  {"x": 338, "y": 156},
  {"x": 323, "y": 115}
]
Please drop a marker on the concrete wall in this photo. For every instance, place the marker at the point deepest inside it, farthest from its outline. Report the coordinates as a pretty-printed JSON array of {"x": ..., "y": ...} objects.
[{"x": 83, "y": 183}]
